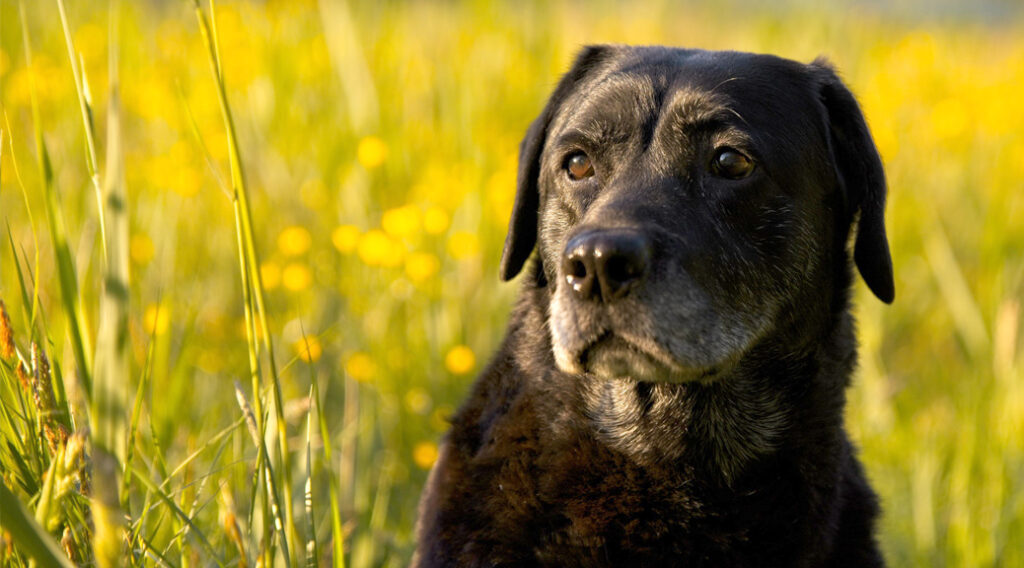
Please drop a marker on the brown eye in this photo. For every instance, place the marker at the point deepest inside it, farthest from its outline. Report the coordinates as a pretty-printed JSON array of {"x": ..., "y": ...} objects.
[
  {"x": 730, "y": 164},
  {"x": 578, "y": 165}
]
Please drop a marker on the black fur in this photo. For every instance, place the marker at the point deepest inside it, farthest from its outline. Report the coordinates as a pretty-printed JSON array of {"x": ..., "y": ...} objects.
[{"x": 697, "y": 420}]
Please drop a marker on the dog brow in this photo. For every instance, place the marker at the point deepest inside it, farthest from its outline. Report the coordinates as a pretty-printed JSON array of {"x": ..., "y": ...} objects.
[
  {"x": 699, "y": 111},
  {"x": 593, "y": 133}
]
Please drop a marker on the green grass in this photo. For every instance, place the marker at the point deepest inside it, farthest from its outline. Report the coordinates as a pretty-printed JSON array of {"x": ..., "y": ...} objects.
[{"x": 250, "y": 263}]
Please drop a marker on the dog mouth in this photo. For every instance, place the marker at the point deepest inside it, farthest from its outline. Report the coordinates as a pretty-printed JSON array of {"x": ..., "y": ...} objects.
[{"x": 613, "y": 356}]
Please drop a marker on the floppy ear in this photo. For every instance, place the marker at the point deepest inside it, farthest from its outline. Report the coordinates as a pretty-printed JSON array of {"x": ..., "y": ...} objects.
[
  {"x": 522, "y": 227},
  {"x": 861, "y": 178}
]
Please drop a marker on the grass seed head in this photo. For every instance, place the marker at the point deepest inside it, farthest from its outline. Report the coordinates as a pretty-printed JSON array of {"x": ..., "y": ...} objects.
[
  {"x": 42, "y": 385},
  {"x": 24, "y": 377},
  {"x": 42, "y": 391},
  {"x": 6, "y": 334},
  {"x": 67, "y": 542}
]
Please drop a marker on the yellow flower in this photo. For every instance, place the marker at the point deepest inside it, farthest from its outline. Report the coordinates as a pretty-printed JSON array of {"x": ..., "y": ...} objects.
[
  {"x": 270, "y": 275},
  {"x": 360, "y": 366},
  {"x": 345, "y": 238},
  {"x": 141, "y": 249},
  {"x": 372, "y": 152},
  {"x": 296, "y": 277},
  {"x": 377, "y": 249},
  {"x": 157, "y": 319},
  {"x": 421, "y": 265},
  {"x": 463, "y": 244},
  {"x": 460, "y": 360},
  {"x": 425, "y": 454},
  {"x": 401, "y": 221},
  {"x": 309, "y": 349},
  {"x": 417, "y": 401},
  {"x": 435, "y": 220},
  {"x": 294, "y": 240}
]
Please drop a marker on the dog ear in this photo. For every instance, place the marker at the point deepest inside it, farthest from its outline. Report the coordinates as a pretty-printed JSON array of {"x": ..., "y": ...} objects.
[
  {"x": 522, "y": 227},
  {"x": 861, "y": 178}
]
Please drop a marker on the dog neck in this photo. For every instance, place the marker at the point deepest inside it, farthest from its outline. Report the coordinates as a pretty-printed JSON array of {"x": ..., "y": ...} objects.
[{"x": 726, "y": 423}]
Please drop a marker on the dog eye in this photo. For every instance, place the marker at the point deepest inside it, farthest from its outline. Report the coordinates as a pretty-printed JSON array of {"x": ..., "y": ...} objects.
[
  {"x": 579, "y": 166},
  {"x": 731, "y": 164}
]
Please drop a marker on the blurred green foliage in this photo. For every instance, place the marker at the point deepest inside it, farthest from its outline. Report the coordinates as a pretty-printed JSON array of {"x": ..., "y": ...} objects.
[{"x": 380, "y": 148}]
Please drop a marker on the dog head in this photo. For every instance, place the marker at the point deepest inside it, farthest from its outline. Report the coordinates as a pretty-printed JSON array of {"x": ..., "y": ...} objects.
[{"x": 684, "y": 204}]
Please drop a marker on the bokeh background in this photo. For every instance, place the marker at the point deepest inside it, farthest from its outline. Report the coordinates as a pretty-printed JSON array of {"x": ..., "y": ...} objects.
[{"x": 379, "y": 143}]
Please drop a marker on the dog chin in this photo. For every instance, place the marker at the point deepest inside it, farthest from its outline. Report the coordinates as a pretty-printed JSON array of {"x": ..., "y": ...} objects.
[{"x": 614, "y": 358}]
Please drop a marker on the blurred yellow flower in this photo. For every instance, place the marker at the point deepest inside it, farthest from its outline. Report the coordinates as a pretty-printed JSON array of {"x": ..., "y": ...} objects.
[
  {"x": 401, "y": 221},
  {"x": 270, "y": 275},
  {"x": 186, "y": 181},
  {"x": 141, "y": 249},
  {"x": 294, "y": 240},
  {"x": 425, "y": 454},
  {"x": 296, "y": 277},
  {"x": 949, "y": 118},
  {"x": 309, "y": 349},
  {"x": 460, "y": 360},
  {"x": 377, "y": 249},
  {"x": 372, "y": 152},
  {"x": 463, "y": 244},
  {"x": 421, "y": 265},
  {"x": 435, "y": 220},
  {"x": 345, "y": 238},
  {"x": 418, "y": 401},
  {"x": 360, "y": 366},
  {"x": 157, "y": 319}
]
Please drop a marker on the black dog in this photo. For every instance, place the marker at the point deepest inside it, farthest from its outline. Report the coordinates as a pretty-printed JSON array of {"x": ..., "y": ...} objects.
[{"x": 671, "y": 388}]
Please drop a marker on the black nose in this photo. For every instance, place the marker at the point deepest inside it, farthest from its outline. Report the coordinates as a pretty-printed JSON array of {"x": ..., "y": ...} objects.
[{"x": 604, "y": 266}]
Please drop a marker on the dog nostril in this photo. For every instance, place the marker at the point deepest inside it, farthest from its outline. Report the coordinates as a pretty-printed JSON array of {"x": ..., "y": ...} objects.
[
  {"x": 621, "y": 269},
  {"x": 577, "y": 269}
]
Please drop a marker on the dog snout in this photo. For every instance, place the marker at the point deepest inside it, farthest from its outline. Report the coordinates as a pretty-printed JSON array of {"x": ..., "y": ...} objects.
[{"x": 605, "y": 266}]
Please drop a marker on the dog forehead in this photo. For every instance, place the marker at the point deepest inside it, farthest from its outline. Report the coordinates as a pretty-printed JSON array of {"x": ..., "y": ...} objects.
[{"x": 639, "y": 83}]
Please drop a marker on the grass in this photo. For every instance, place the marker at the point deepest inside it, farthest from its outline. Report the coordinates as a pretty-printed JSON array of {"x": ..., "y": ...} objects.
[{"x": 251, "y": 255}]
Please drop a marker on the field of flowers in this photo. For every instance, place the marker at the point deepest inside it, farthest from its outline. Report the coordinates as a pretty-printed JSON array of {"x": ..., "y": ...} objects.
[{"x": 249, "y": 262}]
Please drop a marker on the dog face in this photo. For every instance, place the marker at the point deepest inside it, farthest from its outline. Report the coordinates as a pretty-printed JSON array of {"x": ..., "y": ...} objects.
[{"x": 684, "y": 203}]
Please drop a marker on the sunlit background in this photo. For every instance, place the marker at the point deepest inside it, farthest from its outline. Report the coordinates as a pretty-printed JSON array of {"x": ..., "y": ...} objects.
[{"x": 378, "y": 141}]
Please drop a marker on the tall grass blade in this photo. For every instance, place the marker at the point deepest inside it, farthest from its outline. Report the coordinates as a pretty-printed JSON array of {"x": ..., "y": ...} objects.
[
  {"x": 113, "y": 365},
  {"x": 32, "y": 225},
  {"x": 271, "y": 494},
  {"x": 337, "y": 532},
  {"x": 81, "y": 344},
  {"x": 32, "y": 539},
  {"x": 179, "y": 514},
  {"x": 250, "y": 261},
  {"x": 312, "y": 553},
  {"x": 85, "y": 106}
]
